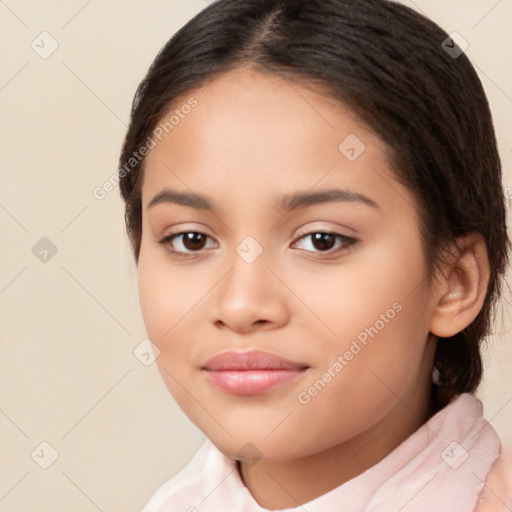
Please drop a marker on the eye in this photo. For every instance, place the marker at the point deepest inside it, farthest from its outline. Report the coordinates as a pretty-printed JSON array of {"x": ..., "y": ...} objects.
[
  {"x": 190, "y": 242},
  {"x": 186, "y": 242},
  {"x": 326, "y": 242}
]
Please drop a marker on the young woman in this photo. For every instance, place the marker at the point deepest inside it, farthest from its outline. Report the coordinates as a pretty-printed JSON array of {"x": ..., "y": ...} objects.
[{"x": 313, "y": 194}]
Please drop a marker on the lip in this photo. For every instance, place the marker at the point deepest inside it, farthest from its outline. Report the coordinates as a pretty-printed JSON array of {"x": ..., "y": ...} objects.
[{"x": 251, "y": 373}]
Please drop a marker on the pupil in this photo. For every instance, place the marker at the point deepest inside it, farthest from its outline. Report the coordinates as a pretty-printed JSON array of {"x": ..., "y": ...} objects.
[
  {"x": 193, "y": 241},
  {"x": 323, "y": 241}
]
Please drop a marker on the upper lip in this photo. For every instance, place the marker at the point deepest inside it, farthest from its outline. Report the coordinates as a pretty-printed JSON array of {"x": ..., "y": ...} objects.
[{"x": 251, "y": 360}]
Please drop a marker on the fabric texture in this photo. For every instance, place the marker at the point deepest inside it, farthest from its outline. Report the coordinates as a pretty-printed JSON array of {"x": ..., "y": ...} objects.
[{"x": 443, "y": 466}]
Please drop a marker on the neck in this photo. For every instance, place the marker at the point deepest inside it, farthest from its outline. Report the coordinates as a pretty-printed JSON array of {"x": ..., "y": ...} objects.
[{"x": 290, "y": 483}]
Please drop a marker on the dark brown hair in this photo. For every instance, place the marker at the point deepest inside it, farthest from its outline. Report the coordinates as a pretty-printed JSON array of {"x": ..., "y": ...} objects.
[{"x": 401, "y": 75}]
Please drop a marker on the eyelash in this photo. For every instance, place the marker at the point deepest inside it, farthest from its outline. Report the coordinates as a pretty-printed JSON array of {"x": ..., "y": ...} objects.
[{"x": 346, "y": 241}]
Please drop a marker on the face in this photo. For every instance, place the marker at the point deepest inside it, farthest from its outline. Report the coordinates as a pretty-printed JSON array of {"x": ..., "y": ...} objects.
[{"x": 281, "y": 271}]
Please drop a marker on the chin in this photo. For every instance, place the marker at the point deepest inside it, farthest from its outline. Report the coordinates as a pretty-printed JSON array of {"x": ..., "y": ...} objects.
[{"x": 254, "y": 446}]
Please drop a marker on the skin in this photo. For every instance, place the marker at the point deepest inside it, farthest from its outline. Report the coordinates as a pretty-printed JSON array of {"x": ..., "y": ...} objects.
[{"x": 251, "y": 139}]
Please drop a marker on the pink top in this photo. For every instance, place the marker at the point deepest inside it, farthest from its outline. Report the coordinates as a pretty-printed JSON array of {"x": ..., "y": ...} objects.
[{"x": 443, "y": 466}]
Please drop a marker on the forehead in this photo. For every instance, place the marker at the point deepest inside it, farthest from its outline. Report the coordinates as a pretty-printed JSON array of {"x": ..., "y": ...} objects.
[{"x": 253, "y": 133}]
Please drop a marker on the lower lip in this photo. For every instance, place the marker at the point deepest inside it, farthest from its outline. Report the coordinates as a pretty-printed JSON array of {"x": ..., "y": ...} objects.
[{"x": 251, "y": 382}]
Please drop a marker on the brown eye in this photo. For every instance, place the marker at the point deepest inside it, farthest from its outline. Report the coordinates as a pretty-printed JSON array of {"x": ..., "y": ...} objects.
[
  {"x": 186, "y": 242},
  {"x": 193, "y": 241},
  {"x": 323, "y": 241}
]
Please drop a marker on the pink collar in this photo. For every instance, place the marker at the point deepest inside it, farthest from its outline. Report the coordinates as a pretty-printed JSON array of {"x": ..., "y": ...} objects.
[{"x": 442, "y": 467}]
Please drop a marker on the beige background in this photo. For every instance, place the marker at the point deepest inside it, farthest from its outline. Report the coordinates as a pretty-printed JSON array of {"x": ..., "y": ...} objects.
[{"x": 69, "y": 325}]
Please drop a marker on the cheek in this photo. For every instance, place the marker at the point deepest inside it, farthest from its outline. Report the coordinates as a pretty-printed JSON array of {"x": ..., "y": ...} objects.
[
  {"x": 376, "y": 309},
  {"x": 171, "y": 297},
  {"x": 360, "y": 383},
  {"x": 164, "y": 304},
  {"x": 156, "y": 298},
  {"x": 346, "y": 298},
  {"x": 166, "y": 292}
]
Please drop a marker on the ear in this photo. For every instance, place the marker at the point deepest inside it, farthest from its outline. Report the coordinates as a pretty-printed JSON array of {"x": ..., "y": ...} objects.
[{"x": 461, "y": 286}]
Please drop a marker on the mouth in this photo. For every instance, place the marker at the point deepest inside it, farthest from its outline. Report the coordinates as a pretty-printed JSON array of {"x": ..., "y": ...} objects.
[{"x": 251, "y": 373}]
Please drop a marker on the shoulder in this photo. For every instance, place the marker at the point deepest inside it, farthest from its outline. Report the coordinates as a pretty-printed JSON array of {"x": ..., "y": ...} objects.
[
  {"x": 208, "y": 471},
  {"x": 497, "y": 493},
  {"x": 184, "y": 484}
]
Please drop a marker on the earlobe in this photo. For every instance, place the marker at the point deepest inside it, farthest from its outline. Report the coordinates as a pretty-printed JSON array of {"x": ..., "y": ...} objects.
[{"x": 462, "y": 286}]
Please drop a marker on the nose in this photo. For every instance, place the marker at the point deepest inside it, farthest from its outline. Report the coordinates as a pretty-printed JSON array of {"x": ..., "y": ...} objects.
[{"x": 250, "y": 297}]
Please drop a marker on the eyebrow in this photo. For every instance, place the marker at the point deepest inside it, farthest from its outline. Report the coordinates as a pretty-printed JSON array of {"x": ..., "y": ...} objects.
[{"x": 285, "y": 203}]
